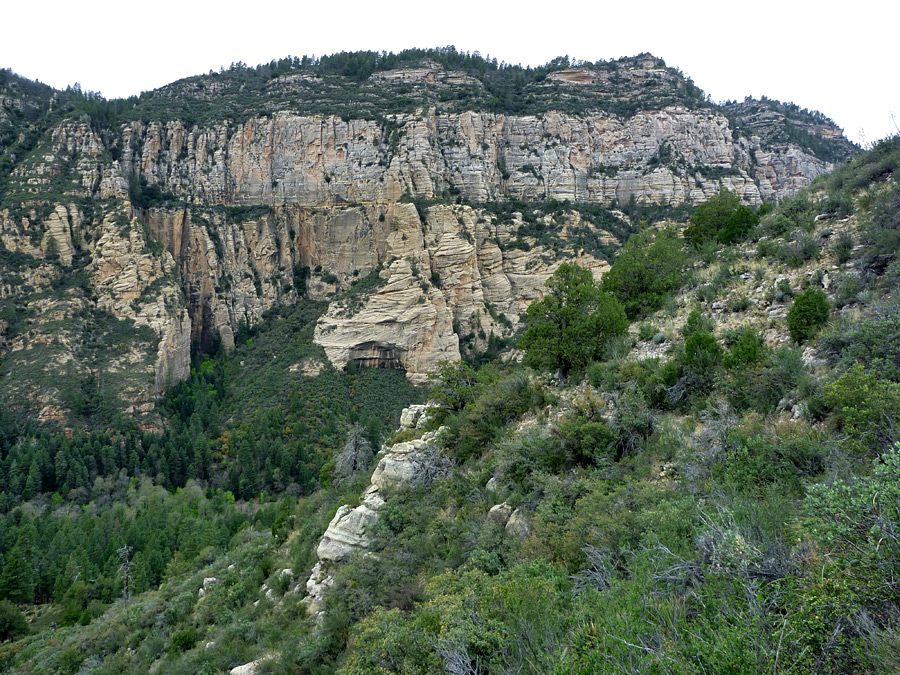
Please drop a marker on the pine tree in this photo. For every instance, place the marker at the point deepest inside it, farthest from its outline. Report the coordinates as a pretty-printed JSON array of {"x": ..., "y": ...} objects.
[{"x": 18, "y": 578}]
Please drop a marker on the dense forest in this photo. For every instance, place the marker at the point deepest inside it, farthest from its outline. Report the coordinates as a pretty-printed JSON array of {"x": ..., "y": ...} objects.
[{"x": 705, "y": 469}]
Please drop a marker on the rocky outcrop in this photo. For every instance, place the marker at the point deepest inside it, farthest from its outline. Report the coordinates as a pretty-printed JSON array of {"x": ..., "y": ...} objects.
[
  {"x": 405, "y": 464},
  {"x": 102, "y": 300},
  {"x": 452, "y": 276}
]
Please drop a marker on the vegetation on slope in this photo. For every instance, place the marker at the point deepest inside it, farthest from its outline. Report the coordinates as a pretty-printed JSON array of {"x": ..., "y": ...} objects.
[{"x": 714, "y": 497}]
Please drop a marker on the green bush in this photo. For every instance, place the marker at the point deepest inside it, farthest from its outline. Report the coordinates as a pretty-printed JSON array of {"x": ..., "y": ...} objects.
[
  {"x": 867, "y": 409},
  {"x": 746, "y": 349},
  {"x": 696, "y": 322},
  {"x": 842, "y": 248},
  {"x": 721, "y": 218},
  {"x": 586, "y": 441},
  {"x": 873, "y": 341},
  {"x": 702, "y": 351},
  {"x": 808, "y": 313},
  {"x": 760, "y": 386},
  {"x": 12, "y": 621},
  {"x": 646, "y": 271},
  {"x": 880, "y": 231}
]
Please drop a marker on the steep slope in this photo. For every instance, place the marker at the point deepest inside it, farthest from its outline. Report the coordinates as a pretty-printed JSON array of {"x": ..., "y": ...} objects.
[{"x": 710, "y": 496}]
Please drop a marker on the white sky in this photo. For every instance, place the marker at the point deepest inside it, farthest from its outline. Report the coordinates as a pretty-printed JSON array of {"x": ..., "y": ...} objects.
[{"x": 839, "y": 58}]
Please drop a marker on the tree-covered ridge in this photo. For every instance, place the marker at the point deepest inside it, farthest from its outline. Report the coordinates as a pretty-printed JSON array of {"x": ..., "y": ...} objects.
[
  {"x": 777, "y": 122},
  {"x": 359, "y": 85},
  {"x": 350, "y": 84}
]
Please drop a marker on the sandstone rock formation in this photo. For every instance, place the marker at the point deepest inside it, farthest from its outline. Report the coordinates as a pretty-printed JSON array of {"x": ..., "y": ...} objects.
[
  {"x": 283, "y": 204},
  {"x": 599, "y": 158},
  {"x": 409, "y": 463}
]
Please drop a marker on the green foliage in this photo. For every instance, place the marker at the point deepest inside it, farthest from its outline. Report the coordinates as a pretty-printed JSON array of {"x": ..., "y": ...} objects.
[
  {"x": 721, "y": 218},
  {"x": 872, "y": 340},
  {"x": 747, "y": 348},
  {"x": 757, "y": 458},
  {"x": 867, "y": 409},
  {"x": 702, "y": 351},
  {"x": 12, "y": 621},
  {"x": 761, "y": 385},
  {"x": 880, "y": 231},
  {"x": 696, "y": 322},
  {"x": 842, "y": 248},
  {"x": 570, "y": 327},
  {"x": 808, "y": 314},
  {"x": 645, "y": 272},
  {"x": 455, "y": 385},
  {"x": 481, "y": 423},
  {"x": 184, "y": 639}
]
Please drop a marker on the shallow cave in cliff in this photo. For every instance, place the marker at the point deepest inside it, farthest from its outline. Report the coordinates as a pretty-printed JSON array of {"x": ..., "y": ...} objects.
[{"x": 377, "y": 355}]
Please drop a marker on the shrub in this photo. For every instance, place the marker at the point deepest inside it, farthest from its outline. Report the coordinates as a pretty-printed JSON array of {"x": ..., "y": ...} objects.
[
  {"x": 12, "y": 621},
  {"x": 702, "y": 351},
  {"x": 646, "y": 331},
  {"x": 866, "y": 408},
  {"x": 802, "y": 247},
  {"x": 184, "y": 639},
  {"x": 842, "y": 248},
  {"x": 760, "y": 386},
  {"x": 696, "y": 322},
  {"x": 747, "y": 348},
  {"x": 881, "y": 230},
  {"x": 872, "y": 341},
  {"x": 646, "y": 271},
  {"x": 808, "y": 313},
  {"x": 756, "y": 460},
  {"x": 721, "y": 218},
  {"x": 585, "y": 440}
]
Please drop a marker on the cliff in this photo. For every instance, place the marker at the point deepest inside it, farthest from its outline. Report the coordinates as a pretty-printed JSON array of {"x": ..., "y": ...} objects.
[{"x": 184, "y": 216}]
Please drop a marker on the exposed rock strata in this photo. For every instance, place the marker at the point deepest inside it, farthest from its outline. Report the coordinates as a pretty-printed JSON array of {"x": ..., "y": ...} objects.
[
  {"x": 596, "y": 157},
  {"x": 327, "y": 195}
]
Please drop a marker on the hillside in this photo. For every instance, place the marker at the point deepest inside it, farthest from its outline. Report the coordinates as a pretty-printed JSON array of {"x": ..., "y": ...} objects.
[
  {"x": 138, "y": 231},
  {"x": 712, "y": 491},
  {"x": 442, "y": 433}
]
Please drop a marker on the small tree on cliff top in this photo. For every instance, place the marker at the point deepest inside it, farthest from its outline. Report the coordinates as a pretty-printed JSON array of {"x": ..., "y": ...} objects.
[{"x": 570, "y": 327}]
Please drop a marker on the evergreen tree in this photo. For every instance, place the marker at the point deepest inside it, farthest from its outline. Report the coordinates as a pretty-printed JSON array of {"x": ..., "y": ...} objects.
[
  {"x": 18, "y": 579},
  {"x": 570, "y": 326}
]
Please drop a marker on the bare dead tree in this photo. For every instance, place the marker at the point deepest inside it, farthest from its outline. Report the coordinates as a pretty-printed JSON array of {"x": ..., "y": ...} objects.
[
  {"x": 356, "y": 455},
  {"x": 597, "y": 574},
  {"x": 431, "y": 465},
  {"x": 455, "y": 657},
  {"x": 126, "y": 571}
]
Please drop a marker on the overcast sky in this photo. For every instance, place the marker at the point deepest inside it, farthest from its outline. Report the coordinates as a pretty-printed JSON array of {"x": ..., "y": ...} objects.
[{"x": 839, "y": 58}]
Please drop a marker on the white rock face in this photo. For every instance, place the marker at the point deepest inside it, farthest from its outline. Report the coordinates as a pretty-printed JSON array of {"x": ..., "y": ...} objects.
[
  {"x": 59, "y": 230},
  {"x": 407, "y": 463},
  {"x": 500, "y": 513},
  {"x": 286, "y": 157},
  {"x": 409, "y": 418},
  {"x": 409, "y": 322},
  {"x": 251, "y": 668},
  {"x": 402, "y": 465},
  {"x": 518, "y": 524},
  {"x": 347, "y": 532}
]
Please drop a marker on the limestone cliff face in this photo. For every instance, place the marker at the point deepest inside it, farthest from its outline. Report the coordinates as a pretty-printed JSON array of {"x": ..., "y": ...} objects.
[
  {"x": 657, "y": 156},
  {"x": 190, "y": 230},
  {"x": 449, "y": 277},
  {"x": 75, "y": 273}
]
